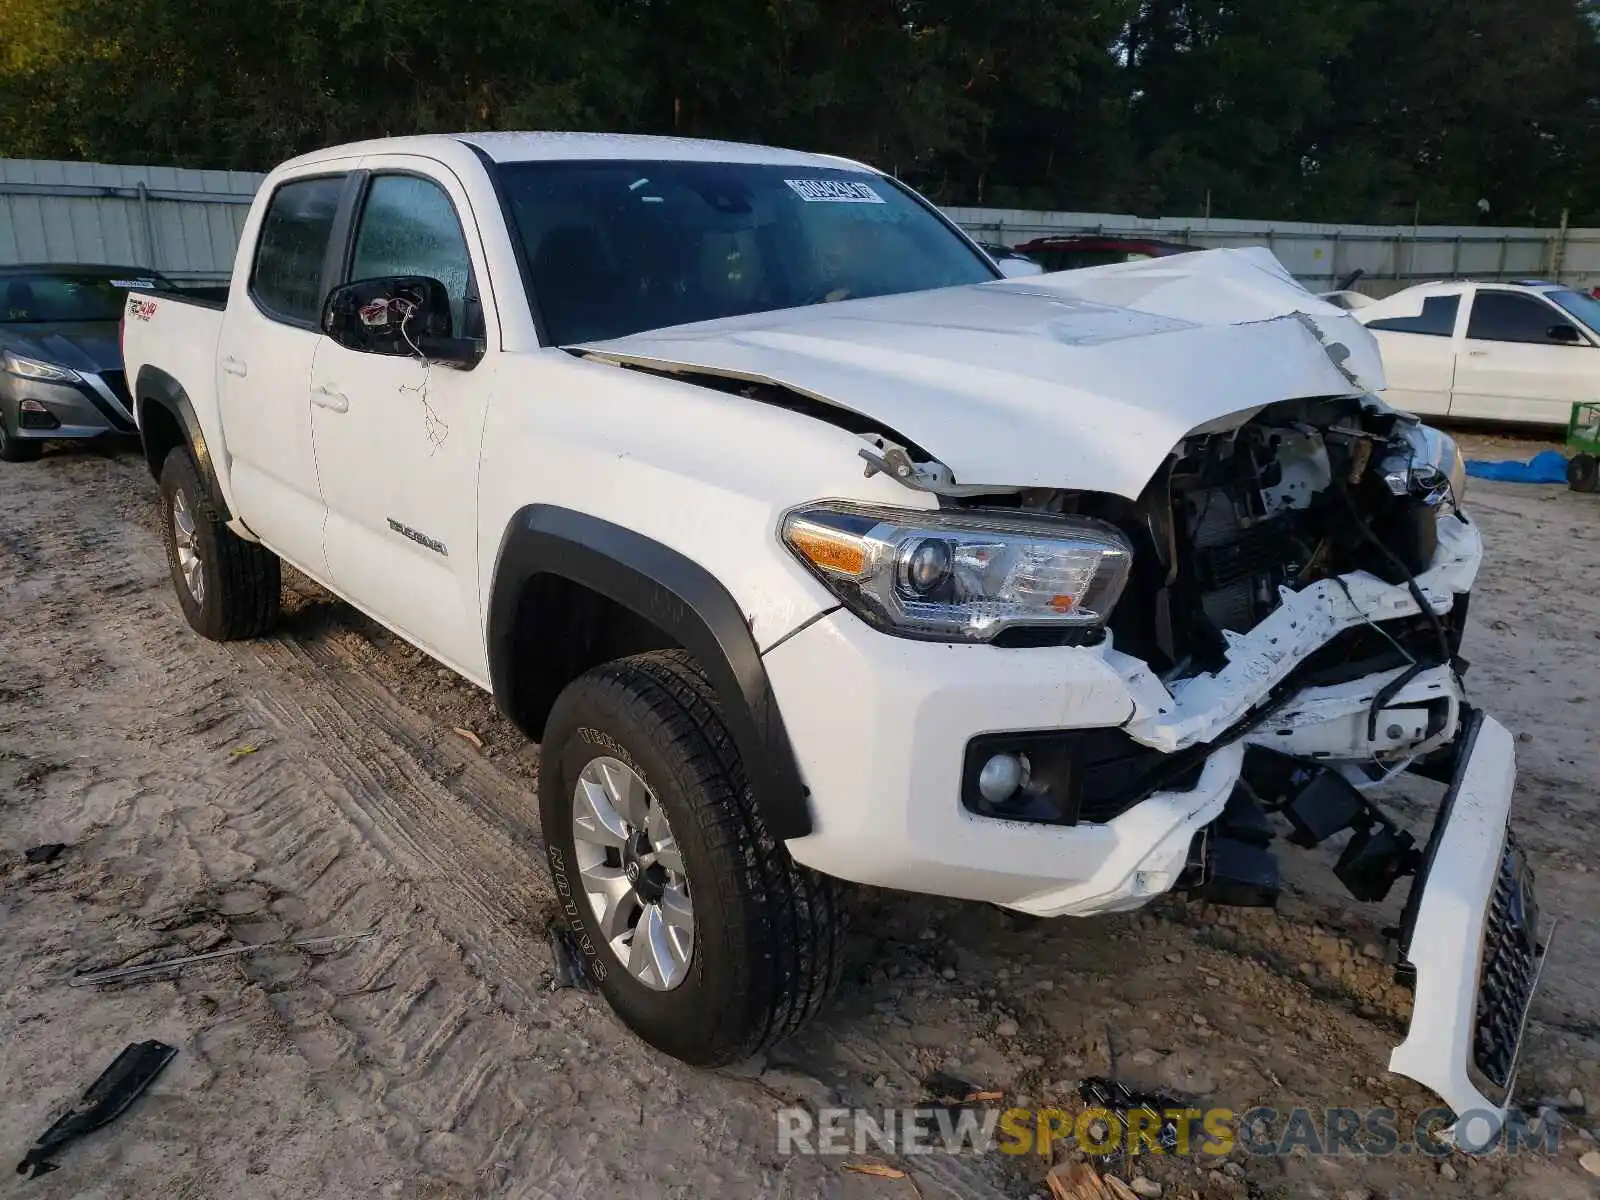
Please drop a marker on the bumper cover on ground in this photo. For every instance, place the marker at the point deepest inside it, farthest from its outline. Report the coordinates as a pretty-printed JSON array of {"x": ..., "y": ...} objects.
[{"x": 1470, "y": 936}]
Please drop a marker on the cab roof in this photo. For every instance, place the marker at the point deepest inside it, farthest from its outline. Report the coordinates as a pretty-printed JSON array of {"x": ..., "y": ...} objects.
[{"x": 549, "y": 146}]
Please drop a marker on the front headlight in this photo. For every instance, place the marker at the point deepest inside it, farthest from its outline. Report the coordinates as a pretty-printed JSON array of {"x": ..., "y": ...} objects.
[
  {"x": 962, "y": 576},
  {"x": 33, "y": 368},
  {"x": 1434, "y": 448}
]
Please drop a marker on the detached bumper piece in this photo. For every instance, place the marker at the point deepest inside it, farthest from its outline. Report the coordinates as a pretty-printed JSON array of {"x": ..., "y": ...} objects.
[
  {"x": 1469, "y": 941},
  {"x": 108, "y": 1098}
]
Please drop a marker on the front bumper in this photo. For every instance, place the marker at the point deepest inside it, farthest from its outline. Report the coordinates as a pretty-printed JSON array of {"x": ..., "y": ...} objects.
[{"x": 94, "y": 407}]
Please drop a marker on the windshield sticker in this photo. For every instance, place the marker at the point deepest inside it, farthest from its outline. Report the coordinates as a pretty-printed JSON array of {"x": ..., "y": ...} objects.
[
  {"x": 133, "y": 283},
  {"x": 834, "y": 191}
]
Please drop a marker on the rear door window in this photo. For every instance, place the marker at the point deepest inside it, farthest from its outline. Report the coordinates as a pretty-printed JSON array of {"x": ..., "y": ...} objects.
[
  {"x": 286, "y": 278},
  {"x": 1511, "y": 317},
  {"x": 1437, "y": 319}
]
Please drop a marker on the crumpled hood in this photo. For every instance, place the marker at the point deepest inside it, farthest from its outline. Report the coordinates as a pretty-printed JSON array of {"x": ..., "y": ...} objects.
[
  {"x": 1080, "y": 379},
  {"x": 87, "y": 346}
]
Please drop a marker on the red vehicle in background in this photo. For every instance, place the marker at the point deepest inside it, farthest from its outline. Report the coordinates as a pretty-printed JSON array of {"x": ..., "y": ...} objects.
[{"x": 1065, "y": 253}]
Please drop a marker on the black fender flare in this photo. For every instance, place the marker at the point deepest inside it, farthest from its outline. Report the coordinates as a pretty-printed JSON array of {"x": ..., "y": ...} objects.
[
  {"x": 155, "y": 387},
  {"x": 678, "y": 596}
]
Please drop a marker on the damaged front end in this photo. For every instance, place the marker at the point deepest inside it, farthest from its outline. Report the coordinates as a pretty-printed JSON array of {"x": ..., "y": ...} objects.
[
  {"x": 1290, "y": 640},
  {"x": 1243, "y": 616}
]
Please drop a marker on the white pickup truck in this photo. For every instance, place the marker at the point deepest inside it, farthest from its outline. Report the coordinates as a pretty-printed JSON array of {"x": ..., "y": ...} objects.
[{"x": 811, "y": 549}]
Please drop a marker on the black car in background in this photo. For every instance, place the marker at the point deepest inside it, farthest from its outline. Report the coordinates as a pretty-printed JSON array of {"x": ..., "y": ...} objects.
[{"x": 61, "y": 354}]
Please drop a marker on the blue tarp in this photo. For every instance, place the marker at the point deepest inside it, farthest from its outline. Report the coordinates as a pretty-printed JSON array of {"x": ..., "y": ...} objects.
[{"x": 1547, "y": 466}]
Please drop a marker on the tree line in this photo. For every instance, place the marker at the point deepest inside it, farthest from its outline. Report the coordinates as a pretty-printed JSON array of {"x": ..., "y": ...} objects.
[{"x": 1351, "y": 110}]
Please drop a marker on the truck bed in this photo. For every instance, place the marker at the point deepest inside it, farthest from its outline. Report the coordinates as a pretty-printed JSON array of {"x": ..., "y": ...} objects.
[{"x": 169, "y": 346}]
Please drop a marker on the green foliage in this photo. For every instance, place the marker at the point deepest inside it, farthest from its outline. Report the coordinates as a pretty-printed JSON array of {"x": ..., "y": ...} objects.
[{"x": 1342, "y": 110}]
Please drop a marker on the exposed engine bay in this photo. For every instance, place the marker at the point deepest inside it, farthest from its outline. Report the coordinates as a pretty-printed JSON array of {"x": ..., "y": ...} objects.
[
  {"x": 1301, "y": 492},
  {"x": 1235, "y": 538}
]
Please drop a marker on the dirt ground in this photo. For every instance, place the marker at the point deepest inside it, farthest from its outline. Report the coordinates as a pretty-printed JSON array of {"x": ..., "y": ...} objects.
[{"x": 317, "y": 782}]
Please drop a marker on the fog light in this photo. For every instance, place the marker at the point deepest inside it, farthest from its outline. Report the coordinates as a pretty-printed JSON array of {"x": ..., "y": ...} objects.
[
  {"x": 1001, "y": 776},
  {"x": 33, "y": 415}
]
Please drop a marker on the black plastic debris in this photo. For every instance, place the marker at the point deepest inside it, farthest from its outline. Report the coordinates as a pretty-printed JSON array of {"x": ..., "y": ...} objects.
[
  {"x": 941, "y": 1086},
  {"x": 1121, "y": 1100},
  {"x": 108, "y": 1098},
  {"x": 46, "y": 853},
  {"x": 570, "y": 971}
]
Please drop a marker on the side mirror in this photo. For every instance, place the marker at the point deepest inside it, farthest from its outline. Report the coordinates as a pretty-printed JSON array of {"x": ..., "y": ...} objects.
[
  {"x": 1567, "y": 335},
  {"x": 399, "y": 316}
]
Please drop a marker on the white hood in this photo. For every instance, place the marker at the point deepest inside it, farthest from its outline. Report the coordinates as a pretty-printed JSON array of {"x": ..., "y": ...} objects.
[{"x": 1080, "y": 379}]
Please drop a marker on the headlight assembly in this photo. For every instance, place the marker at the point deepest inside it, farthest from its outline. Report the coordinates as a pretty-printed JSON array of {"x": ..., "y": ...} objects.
[
  {"x": 962, "y": 576},
  {"x": 33, "y": 368},
  {"x": 1434, "y": 448}
]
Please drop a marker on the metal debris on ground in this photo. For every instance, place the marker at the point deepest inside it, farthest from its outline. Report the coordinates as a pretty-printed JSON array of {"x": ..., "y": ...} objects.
[
  {"x": 46, "y": 853},
  {"x": 1120, "y": 1100},
  {"x": 568, "y": 959},
  {"x": 241, "y": 751},
  {"x": 108, "y": 1098},
  {"x": 469, "y": 735},
  {"x": 162, "y": 966}
]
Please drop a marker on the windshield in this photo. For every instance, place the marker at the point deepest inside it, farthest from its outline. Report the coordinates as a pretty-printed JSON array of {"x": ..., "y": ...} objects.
[
  {"x": 48, "y": 297},
  {"x": 1585, "y": 308},
  {"x": 614, "y": 248}
]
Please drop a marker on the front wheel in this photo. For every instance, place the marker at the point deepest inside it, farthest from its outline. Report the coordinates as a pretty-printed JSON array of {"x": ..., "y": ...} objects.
[
  {"x": 227, "y": 587},
  {"x": 706, "y": 938}
]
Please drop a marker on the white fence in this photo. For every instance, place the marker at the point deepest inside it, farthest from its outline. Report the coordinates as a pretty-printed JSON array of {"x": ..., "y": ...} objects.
[{"x": 186, "y": 223}]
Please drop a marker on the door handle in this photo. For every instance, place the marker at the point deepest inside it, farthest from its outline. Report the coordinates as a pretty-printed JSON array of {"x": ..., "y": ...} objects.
[
  {"x": 235, "y": 366},
  {"x": 326, "y": 397}
]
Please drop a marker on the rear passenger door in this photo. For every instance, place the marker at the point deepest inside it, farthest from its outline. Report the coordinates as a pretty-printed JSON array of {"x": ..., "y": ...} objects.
[
  {"x": 269, "y": 337},
  {"x": 1511, "y": 368},
  {"x": 1419, "y": 358}
]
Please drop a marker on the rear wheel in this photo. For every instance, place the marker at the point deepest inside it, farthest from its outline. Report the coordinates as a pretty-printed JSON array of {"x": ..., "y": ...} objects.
[
  {"x": 227, "y": 587},
  {"x": 706, "y": 938},
  {"x": 14, "y": 450}
]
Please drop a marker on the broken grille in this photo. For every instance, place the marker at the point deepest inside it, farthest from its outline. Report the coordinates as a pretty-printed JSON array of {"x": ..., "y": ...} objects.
[{"x": 1508, "y": 969}]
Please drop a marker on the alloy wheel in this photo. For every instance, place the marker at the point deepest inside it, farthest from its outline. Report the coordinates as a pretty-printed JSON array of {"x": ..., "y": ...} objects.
[{"x": 633, "y": 873}]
